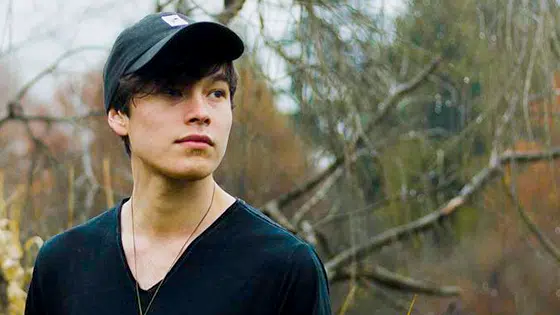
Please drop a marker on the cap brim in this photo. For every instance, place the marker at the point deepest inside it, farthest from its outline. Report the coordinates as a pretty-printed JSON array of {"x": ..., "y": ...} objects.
[{"x": 201, "y": 39}]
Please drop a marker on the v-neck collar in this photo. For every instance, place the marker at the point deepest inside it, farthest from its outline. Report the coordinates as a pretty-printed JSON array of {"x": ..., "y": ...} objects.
[{"x": 214, "y": 226}]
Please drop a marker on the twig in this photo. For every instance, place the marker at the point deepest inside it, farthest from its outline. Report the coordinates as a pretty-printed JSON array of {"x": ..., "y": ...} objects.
[
  {"x": 19, "y": 96},
  {"x": 318, "y": 196},
  {"x": 50, "y": 119},
  {"x": 398, "y": 91},
  {"x": 2, "y": 202},
  {"x": 383, "y": 108},
  {"x": 377, "y": 205},
  {"x": 285, "y": 199},
  {"x": 411, "y": 305},
  {"x": 231, "y": 9},
  {"x": 397, "y": 304},
  {"x": 508, "y": 28},
  {"x": 400, "y": 282},
  {"x": 543, "y": 239},
  {"x": 110, "y": 197},
  {"x": 529, "y": 76},
  {"x": 71, "y": 196},
  {"x": 272, "y": 209},
  {"x": 34, "y": 158},
  {"x": 348, "y": 300},
  {"x": 161, "y": 6},
  {"x": 397, "y": 281}
]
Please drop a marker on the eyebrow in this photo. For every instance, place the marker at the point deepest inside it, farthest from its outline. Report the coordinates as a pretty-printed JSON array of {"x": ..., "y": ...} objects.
[{"x": 220, "y": 76}]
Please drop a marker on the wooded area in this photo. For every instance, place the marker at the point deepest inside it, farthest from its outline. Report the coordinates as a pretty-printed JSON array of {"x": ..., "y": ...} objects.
[{"x": 421, "y": 159}]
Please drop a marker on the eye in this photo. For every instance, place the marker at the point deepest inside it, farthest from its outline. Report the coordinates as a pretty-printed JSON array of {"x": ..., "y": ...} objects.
[
  {"x": 218, "y": 93},
  {"x": 172, "y": 92}
]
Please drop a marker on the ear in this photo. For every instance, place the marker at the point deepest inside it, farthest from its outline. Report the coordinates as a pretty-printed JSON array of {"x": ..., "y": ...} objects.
[{"x": 118, "y": 121}]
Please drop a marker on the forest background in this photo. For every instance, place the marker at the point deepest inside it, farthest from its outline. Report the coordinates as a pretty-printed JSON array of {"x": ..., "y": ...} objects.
[{"x": 414, "y": 143}]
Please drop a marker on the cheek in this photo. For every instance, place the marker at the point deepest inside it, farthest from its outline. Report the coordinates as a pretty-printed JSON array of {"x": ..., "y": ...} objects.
[
  {"x": 221, "y": 132},
  {"x": 225, "y": 126},
  {"x": 146, "y": 127},
  {"x": 157, "y": 117}
]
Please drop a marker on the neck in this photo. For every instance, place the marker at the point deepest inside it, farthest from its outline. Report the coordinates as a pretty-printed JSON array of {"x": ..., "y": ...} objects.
[{"x": 165, "y": 207}]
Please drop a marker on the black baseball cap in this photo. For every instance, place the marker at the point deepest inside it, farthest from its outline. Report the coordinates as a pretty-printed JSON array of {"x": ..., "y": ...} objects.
[{"x": 166, "y": 33}]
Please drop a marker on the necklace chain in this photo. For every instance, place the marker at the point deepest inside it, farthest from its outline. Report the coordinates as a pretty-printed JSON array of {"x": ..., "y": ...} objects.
[{"x": 172, "y": 264}]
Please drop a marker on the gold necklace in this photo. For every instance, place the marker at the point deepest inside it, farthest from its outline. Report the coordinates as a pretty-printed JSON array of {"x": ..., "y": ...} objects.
[{"x": 172, "y": 264}]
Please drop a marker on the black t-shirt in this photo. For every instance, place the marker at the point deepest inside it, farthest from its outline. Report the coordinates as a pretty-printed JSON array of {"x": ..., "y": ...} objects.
[{"x": 244, "y": 263}]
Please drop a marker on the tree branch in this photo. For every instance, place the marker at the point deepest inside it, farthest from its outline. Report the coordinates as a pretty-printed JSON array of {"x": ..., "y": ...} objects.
[
  {"x": 15, "y": 110},
  {"x": 543, "y": 239},
  {"x": 425, "y": 222},
  {"x": 161, "y": 6},
  {"x": 311, "y": 184},
  {"x": 272, "y": 209},
  {"x": 397, "y": 281},
  {"x": 398, "y": 91},
  {"x": 19, "y": 96},
  {"x": 318, "y": 196},
  {"x": 231, "y": 9},
  {"x": 50, "y": 119},
  {"x": 389, "y": 298},
  {"x": 383, "y": 109}
]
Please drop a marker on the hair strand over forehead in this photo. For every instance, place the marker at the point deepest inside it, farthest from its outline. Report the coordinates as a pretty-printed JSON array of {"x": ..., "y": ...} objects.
[{"x": 160, "y": 75}]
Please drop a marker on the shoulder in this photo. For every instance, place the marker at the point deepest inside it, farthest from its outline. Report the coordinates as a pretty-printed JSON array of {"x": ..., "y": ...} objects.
[
  {"x": 305, "y": 288},
  {"x": 288, "y": 262},
  {"x": 261, "y": 228},
  {"x": 79, "y": 239},
  {"x": 278, "y": 245}
]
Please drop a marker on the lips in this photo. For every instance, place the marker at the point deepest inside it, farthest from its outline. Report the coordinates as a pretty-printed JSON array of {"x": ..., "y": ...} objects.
[{"x": 196, "y": 139}]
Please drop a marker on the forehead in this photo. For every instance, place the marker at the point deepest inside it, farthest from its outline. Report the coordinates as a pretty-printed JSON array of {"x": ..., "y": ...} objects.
[
  {"x": 219, "y": 75},
  {"x": 189, "y": 71}
]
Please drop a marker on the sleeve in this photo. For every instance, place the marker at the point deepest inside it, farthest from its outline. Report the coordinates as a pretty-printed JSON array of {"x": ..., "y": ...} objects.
[{"x": 305, "y": 287}]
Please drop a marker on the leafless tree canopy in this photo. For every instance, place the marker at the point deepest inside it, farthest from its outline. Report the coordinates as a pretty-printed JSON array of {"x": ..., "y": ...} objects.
[{"x": 420, "y": 158}]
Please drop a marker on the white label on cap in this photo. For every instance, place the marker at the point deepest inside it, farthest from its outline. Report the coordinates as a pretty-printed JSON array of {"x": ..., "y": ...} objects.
[{"x": 174, "y": 20}]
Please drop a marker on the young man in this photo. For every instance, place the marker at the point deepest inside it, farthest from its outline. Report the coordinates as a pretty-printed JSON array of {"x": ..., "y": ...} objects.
[{"x": 180, "y": 244}]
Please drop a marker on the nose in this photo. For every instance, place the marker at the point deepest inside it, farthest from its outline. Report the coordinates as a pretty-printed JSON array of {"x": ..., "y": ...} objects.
[{"x": 197, "y": 111}]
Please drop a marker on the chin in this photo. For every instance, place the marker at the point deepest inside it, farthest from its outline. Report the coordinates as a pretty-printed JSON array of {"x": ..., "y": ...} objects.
[
  {"x": 190, "y": 176},
  {"x": 190, "y": 172},
  {"x": 196, "y": 166}
]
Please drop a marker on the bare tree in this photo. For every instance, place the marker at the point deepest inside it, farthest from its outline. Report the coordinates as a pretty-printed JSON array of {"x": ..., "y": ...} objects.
[{"x": 419, "y": 118}]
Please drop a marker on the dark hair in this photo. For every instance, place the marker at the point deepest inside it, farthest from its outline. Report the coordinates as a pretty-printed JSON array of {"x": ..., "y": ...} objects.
[{"x": 159, "y": 75}]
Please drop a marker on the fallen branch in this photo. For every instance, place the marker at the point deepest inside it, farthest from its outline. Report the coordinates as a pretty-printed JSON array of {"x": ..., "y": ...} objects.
[
  {"x": 393, "y": 280},
  {"x": 388, "y": 298},
  {"x": 425, "y": 222}
]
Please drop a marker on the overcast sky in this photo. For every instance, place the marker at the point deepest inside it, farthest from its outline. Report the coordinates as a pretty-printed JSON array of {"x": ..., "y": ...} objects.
[{"x": 34, "y": 33}]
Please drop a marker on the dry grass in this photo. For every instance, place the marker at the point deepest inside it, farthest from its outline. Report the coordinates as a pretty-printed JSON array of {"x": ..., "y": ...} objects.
[
  {"x": 411, "y": 305},
  {"x": 14, "y": 253}
]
